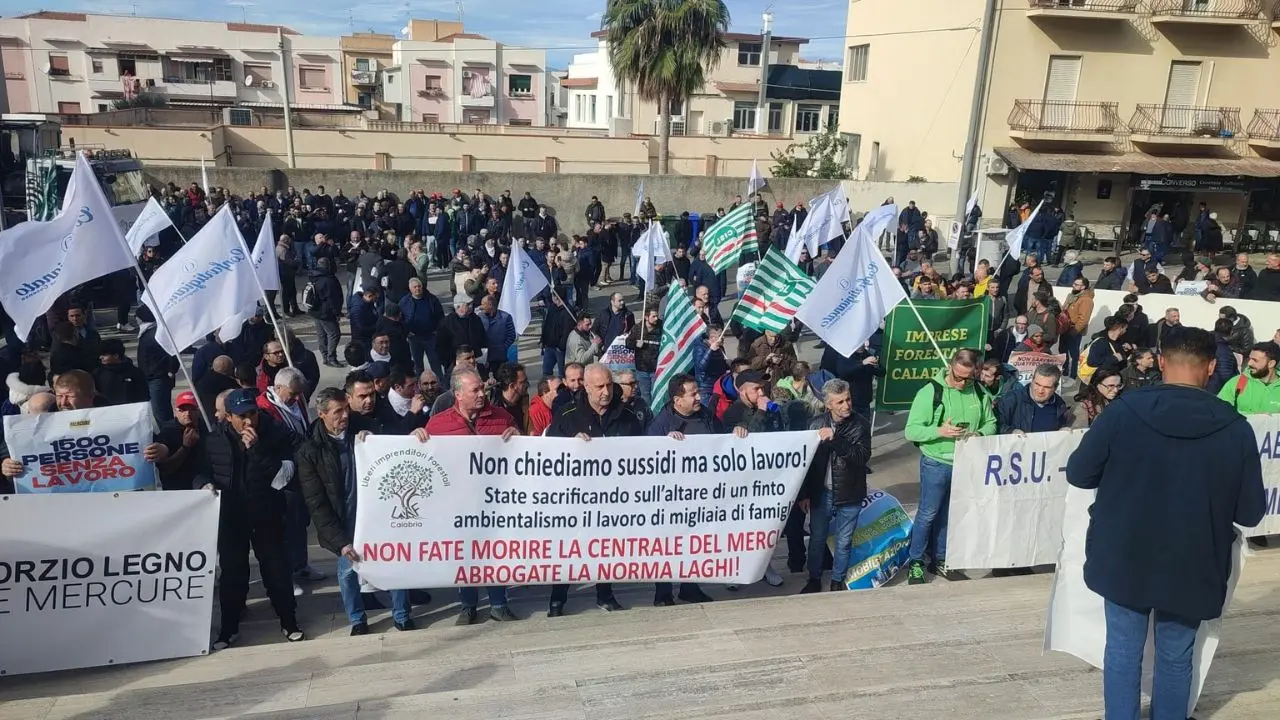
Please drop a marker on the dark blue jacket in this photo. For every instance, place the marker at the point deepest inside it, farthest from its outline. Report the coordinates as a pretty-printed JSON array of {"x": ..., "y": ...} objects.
[
  {"x": 1015, "y": 410},
  {"x": 364, "y": 317},
  {"x": 421, "y": 316},
  {"x": 1226, "y": 367},
  {"x": 668, "y": 421},
  {"x": 1174, "y": 467},
  {"x": 707, "y": 367}
]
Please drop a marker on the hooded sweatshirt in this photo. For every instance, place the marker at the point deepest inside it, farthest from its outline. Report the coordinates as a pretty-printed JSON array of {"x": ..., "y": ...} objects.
[
  {"x": 1174, "y": 468},
  {"x": 1251, "y": 396},
  {"x": 958, "y": 406}
]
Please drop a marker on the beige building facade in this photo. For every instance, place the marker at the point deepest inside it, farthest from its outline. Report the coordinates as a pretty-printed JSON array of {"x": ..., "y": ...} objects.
[
  {"x": 364, "y": 57},
  {"x": 1107, "y": 108}
]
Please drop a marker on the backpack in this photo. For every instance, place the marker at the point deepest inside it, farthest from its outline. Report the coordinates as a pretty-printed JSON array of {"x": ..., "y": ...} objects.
[
  {"x": 1085, "y": 371},
  {"x": 308, "y": 300},
  {"x": 1242, "y": 381},
  {"x": 937, "y": 402}
]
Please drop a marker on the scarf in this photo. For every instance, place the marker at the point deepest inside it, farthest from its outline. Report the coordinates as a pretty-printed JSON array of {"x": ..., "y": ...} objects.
[
  {"x": 399, "y": 403},
  {"x": 373, "y": 355}
]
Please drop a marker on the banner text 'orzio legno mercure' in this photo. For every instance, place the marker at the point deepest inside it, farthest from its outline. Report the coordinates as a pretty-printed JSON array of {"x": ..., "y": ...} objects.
[{"x": 540, "y": 511}]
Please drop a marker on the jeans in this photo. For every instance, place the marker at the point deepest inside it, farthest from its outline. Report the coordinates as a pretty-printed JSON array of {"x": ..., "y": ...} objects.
[
  {"x": 1122, "y": 663},
  {"x": 160, "y": 390},
  {"x": 930, "y": 526},
  {"x": 824, "y": 520},
  {"x": 552, "y": 359},
  {"x": 296, "y": 520},
  {"x": 327, "y": 335},
  {"x": 307, "y": 254},
  {"x": 1070, "y": 344},
  {"x": 349, "y": 586},
  {"x": 1039, "y": 247},
  {"x": 644, "y": 382},
  {"x": 470, "y": 597}
]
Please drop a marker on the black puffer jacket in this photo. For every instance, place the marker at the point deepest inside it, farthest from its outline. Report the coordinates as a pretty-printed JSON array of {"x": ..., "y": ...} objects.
[
  {"x": 847, "y": 453},
  {"x": 320, "y": 473},
  {"x": 246, "y": 474},
  {"x": 646, "y": 343}
]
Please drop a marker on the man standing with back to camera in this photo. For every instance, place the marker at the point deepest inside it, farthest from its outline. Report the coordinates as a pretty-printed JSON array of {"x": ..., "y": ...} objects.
[{"x": 1175, "y": 468}]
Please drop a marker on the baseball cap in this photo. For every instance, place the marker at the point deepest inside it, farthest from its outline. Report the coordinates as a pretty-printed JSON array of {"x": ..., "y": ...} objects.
[
  {"x": 748, "y": 376},
  {"x": 379, "y": 369},
  {"x": 242, "y": 401},
  {"x": 186, "y": 399}
]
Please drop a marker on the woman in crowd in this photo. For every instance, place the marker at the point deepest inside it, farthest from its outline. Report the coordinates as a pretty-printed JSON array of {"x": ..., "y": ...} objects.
[{"x": 1105, "y": 386}]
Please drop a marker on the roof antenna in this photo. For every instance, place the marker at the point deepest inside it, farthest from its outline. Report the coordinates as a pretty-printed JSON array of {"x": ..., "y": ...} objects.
[{"x": 459, "y": 4}]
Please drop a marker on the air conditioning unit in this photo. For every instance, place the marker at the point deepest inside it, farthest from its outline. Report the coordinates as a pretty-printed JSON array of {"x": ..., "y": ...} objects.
[
  {"x": 997, "y": 166},
  {"x": 268, "y": 84},
  {"x": 239, "y": 116},
  {"x": 721, "y": 128}
]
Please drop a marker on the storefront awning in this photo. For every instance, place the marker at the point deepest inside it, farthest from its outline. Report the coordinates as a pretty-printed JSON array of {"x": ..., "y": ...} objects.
[{"x": 1138, "y": 163}]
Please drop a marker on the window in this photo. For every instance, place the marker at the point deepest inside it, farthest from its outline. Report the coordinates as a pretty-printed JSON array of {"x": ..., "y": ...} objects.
[
  {"x": 102, "y": 107},
  {"x": 579, "y": 107},
  {"x": 391, "y": 79},
  {"x": 241, "y": 116},
  {"x": 200, "y": 71},
  {"x": 96, "y": 65},
  {"x": 311, "y": 78},
  {"x": 852, "y": 151},
  {"x": 676, "y": 107},
  {"x": 433, "y": 118},
  {"x": 520, "y": 85},
  {"x": 775, "y": 117},
  {"x": 260, "y": 73},
  {"x": 833, "y": 116},
  {"x": 126, "y": 65},
  {"x": 362, "y": 65},
  {"x": 808, "y": 118},
  {"x": 593, "y": 110},
  {"x": 364, "y": 100},
  {"x": 744, "y": 116},
  {"x": 608, "y": 107},
  {"x": 69, "y": 108},
  {"x": 749, "y": 53},
  {"x": 59, "y": 65},
  {"x": 433, "y": 83},
  {"x": 859, "y": 56},
  {"x": 520, "y": 123}
]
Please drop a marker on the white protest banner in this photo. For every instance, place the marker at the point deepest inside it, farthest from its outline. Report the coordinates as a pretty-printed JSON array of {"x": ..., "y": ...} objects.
[
  {"x": 72, "y": 451},
  {"x": 1027, "y": 362},
  {"x": 1191, "y": 287},
  {"x": 541, "y": 511},
  {"x": 618, "y": 356},
  {"x": 1076, "y": 623},
  {"x": 105, "y": 578},
  {"x": 1006, "y": 499}
]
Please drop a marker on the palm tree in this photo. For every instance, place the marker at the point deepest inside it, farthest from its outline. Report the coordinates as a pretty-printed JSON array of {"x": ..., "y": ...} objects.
[{"x": 665, "y": 49}]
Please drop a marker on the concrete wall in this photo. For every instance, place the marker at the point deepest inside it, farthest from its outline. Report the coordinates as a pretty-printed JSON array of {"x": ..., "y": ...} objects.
[{"x": 566, "y": 195}]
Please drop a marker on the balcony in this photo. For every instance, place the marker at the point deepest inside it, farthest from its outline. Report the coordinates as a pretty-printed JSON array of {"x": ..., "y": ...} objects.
[
  {"x": 1206, "y": 12},
  {"x": 364, "y": 77},
  {"x": 1105, "y": 10},
  {"x": 432, "y": 92},
  {"x": 1184, "y": 125},
  {"x": 1058, "y": 121},
  {"x": 1264, "y": 129},
  {"x": 477, "y": 98}
]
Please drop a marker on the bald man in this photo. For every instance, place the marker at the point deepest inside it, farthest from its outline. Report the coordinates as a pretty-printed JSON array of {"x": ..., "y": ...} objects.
[{"x": 221, "y": 376}]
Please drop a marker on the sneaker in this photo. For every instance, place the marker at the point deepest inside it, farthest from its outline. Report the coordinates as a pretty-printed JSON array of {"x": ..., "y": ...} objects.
[
  {"x": 225, "y": 640},
  {"x": 309, "y": 574},
  {"x": 694, "y": 594},
  {"x": 940, "y": 569},
  {"x": 502, "y": 614},
  {"x": 292, "y": 634},
  {"x": 297, "y": 590},
  {"x": 406, "y": 626},
  {"x": 812, "y": 586},
  {"x": 772, "y": 577},
  {"x": 126, "y": 328},
  {"x": 837, "y": 586},
  {"x": 609, "y": 604},
  {"x": 360, "y": 628},
  {"x": 467, "y": 616},
  {"x": 556, "y": 610},
  {"x": 915, "y": 573},
  {"x": 667, "y": 601}
]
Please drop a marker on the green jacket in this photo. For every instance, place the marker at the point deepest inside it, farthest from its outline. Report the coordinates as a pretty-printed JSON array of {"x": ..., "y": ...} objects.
[
  {"x": 1257, "y": 398},
  {"x": 959, "y": 406}
]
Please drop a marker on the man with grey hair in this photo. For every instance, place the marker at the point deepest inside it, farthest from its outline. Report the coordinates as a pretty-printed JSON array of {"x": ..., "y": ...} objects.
[
  {"x": 835, "y": 485},
  {"x": 1036, "y": 406},
  {"x": 460, "y": 327}
]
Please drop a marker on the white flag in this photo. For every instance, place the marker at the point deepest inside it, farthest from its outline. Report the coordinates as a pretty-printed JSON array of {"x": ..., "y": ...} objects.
[
  {"x": 1015, "y": 236},
  {"x": 756, "y": 181},
  {"x": 826, "y": 213},
  {"x": 651, "y": 252},
  {"x": 264, "y": 256},
  {"x": 639, "y": 199},
  {"x": 43, "y": 260},
  {"x": 521, "y": 285},
  {"x": 151, "y": 221},
  {"x": 795, "y": 243},
  {"x": 207, "y": 283},
  {"x": 970, "y": 205},
  {"x": 857, "y": 291},
  {"x": 204, "y": 175}
]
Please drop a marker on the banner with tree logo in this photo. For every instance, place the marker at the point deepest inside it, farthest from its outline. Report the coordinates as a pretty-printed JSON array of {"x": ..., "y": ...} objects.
[{"x": 910, "y": 357}]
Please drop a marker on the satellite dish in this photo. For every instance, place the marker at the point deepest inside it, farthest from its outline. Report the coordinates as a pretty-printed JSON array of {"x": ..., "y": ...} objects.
[{"x": 248, "y": 81}]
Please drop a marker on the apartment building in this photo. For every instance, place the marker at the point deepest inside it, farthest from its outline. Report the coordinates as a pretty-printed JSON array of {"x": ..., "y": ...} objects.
[
  {"x": 800, "y": 99},
  {"x": 70, "y": 63},
  {"x": 442, "y": 74},
  {"x": 364, "y": 56},
  {"x": 1108, "y": 108}
]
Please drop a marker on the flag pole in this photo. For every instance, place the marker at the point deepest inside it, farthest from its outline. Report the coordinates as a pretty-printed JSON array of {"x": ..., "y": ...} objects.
[{"x": 271, "y": 312}]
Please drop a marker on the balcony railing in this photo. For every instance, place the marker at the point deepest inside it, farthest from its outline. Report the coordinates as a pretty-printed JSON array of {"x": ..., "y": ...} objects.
[
  {"x": 1209, "y": 9},
  {"x": 1093, "y": 118},
  {"x": 431, "y": 92},
  {"x": 364, "y": 77},
  {"x": 1265, "y": 125},
  {"x": 1186, "y": 121},
  {"x": 1095, "y": 6}
]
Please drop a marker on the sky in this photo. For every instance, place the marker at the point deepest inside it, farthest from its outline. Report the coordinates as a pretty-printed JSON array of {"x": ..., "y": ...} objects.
[{"x": 562, "y": 28}]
